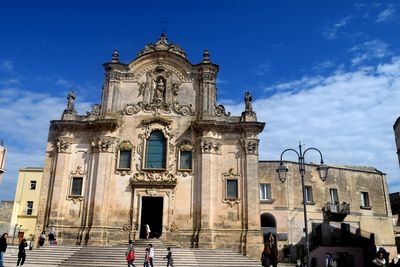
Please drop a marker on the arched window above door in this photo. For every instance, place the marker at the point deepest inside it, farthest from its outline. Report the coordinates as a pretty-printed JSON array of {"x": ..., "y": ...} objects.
[{"x": 156, "y": 151}]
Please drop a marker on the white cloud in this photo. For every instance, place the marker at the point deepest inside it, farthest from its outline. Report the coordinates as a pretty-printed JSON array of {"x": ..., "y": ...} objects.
[
  {"x": 25, "y": 117},
  {"x": 6, "y": 65},
  {"x": 386, "y": 15},
  {"x": 347, "y": 115},
  {"x": 375, "y": 49},
  {"x": 332, "y": 32}
]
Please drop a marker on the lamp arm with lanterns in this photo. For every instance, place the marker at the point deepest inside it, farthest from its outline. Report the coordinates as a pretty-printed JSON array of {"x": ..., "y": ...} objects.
[{"x": 323, "y": 174}]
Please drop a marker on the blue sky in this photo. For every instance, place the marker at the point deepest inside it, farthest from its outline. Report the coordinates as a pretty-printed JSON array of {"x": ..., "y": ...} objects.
[{"x": 323, "y": 72}]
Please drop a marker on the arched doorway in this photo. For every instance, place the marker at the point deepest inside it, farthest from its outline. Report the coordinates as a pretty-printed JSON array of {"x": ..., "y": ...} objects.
[{"x": 268, "y": 225}]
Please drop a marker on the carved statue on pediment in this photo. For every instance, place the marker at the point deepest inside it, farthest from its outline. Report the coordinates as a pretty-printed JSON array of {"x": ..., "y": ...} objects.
[
  {"x": 70, "y": 104},
  {"x": 247, "y": 101}
]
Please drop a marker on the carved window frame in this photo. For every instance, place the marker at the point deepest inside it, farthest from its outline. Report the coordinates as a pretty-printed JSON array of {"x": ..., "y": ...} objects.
[
  {"x": 78, "y": 173},
  {"x": 124, "y": 146},
  {"x": 231, "y": 175},
  {"x": 72, "y": 185},
  {"x": 185, "y": 146},
  {"x": 145, "y": 154}
]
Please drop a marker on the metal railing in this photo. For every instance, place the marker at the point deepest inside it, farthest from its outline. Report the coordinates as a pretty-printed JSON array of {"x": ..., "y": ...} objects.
[{"x": 338, "y": 207}]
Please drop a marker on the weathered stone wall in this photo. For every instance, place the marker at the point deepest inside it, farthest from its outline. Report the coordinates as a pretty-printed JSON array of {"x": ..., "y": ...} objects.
[
  {"x": 6, "y": 209},
  {"x": 287, "y": 207}
]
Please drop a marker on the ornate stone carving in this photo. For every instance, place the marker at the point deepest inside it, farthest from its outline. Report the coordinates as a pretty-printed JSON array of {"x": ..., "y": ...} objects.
[
  {"x": 79, "y": 171},
  {"x": 208, "y": 146},
  {"x": 250, "y": 146},
  {"x": 231, "y": 173},
  {"x": 231, "y": 202},
  {"x": 186, "y": 146},
  {"x": 174, "y": 227},
  {"x": 75, "y": 199},
  {"x": 123, "y": 172},
  {"x": 159, "y": 93},
  {"x": 152, "y": 192},
  {"x": 162, "y": 45},
  {"x": 183, "y": 110},
  {"x": 103, "y": 144},
  {"x": 157, "y": 119},
  {"x": 220, "y": 110},
  {"x": 95, "y": 111},
  {"x": 125, "y": 145},
  {"x": 153, "y": 178},
  {"x": 62, "y": 145},
  {"x": 154, "y": 107}
]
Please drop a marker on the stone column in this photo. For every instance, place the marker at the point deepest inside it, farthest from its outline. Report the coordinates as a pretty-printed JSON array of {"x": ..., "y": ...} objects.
[
  {"x": 252, "y": 241},
  {"x": 210, "y": 152},
  {"x": 102, "y": 169}
]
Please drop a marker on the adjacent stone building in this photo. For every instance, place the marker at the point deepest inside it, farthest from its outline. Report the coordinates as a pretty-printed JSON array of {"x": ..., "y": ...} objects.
[{"x": 160, "y": 150}]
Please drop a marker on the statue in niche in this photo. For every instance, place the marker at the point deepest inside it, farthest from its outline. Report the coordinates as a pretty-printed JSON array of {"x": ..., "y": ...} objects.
[
  {"x": 247, "y": 101},
  {"x": 159, "y": 90}
]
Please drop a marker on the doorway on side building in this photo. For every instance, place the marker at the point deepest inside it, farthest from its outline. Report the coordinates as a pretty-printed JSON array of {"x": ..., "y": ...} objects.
[
  {"x": 268, "y": 225},
  {"x": 151, "y": 214}
]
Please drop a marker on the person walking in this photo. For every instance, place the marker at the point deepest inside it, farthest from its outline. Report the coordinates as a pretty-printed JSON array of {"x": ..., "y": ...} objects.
[
  {"x": 130, "y": 254},
  {"x": 42, "y": 239},
  {"x": 148, "y": 231},
  {"x": 266, "y": 256},
  {"x": 151, "y": 255},
  {"x": 3, "y": 248},
  {"x": 52, "y": 236},
  {"x": 170, "y": 260},
  {"x": 146, "y": 258},
  {"x": 21, "y": 252}
]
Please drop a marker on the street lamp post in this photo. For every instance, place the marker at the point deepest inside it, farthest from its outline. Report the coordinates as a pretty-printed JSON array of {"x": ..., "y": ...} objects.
[
  {"x": 15, "y": 229},
  {"x": 323, "y": 174}
]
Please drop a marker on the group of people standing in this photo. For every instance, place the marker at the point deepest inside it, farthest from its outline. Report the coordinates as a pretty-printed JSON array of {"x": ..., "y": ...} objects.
[{"x": 149, "y": 256}]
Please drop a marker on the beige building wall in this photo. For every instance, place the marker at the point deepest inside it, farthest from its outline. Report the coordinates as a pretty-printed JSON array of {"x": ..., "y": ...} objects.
[{"x": 24, "y": 217}]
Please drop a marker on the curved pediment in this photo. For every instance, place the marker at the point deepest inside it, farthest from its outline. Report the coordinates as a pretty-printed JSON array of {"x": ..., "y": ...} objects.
[{"x": 162, "y": 45}]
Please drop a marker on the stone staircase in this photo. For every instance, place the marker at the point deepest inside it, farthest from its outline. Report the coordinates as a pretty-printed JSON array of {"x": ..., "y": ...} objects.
[
  {"x": 44, "y": 256},
  {"x": 112, "y": 256}
]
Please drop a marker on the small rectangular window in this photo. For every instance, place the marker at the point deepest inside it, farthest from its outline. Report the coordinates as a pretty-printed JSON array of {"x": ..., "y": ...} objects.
[
  {"x": 76, "y": 188},
  {"x": 265, "y": 192},
  {"x": 125, "y": 157},
  {"x": 33, "y": 185},
  {"x": 334, "y": 195},
  {"x": 185, "y": 160},
  {"x": 29, "y": 208},
  {"x": 364, "y": 199},
  {"x": 231, "y": 189},
  {"x": 309, "y": 194}
]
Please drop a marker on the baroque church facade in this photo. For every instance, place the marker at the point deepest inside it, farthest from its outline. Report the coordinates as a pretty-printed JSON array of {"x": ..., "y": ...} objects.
[{"x": 158, "y": 150}]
